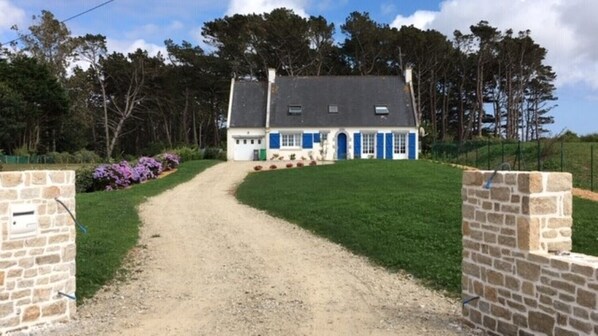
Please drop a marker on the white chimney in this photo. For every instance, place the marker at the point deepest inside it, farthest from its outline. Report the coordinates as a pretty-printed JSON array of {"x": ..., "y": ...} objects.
[
  {"x": 271, "y": 75},
  {"x": 408, "y": 74}
]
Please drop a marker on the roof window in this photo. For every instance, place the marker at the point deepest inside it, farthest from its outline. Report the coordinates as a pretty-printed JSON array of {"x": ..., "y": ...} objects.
[
  {"x": 332, "y": 108},
  {"x": 381, "y": 109},
  {"x": 295, "y": 109}
]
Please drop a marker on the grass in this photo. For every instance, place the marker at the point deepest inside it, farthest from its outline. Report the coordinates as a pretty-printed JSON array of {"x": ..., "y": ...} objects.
[
  {"x": 400, "y": 214},
  {"x": 576, "y": 158},
  {"x": 43, "y": 166},
  {"x": 113, "y": 224}
]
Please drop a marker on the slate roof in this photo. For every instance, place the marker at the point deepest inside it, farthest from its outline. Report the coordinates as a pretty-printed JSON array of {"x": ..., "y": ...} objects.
[
  {"x": 355, "y": 97},
  {"x": 249, "y": 104}
]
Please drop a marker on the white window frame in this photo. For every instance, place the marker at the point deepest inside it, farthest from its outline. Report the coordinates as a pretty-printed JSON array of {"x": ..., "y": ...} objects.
[
  {"x": 400, "y": 143},
  {"x": 368, "y": 144},
  {"x": 291, "y": 140}
]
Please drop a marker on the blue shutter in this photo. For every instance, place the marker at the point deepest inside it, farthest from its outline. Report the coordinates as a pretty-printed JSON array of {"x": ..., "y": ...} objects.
[
  {"x": 412, "y": 146},
  {"x": 308, "y": 140},
  {"x": 380, "y": 146},
  {"x": 357, "y": 145},
  {"x": 316, "y": 137},
  {"x": 389, "y": 146},
  {"x": 274, "y": 140}
]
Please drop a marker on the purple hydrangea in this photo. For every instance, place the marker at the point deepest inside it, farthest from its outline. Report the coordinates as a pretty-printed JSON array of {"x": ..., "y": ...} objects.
[
  {"x": 169, "y": 160},
  {"x": 154, "y": 166},
  {"x": 115, "y": 176}
]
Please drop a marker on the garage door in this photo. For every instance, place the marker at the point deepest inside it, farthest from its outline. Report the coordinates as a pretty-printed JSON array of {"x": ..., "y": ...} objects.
[{"x": 244, "y": 148}]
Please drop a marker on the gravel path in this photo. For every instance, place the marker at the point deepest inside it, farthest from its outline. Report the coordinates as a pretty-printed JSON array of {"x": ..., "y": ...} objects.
[{"x": 207, "y": 265}]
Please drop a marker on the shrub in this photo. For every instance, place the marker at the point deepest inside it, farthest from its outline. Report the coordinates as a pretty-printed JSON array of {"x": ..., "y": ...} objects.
[
  {"x": 84, "y": 179},
  {"x": 313, "y": 163},
  {"x": 187, "y": 153},
  {"x": 154, "y": 166},
  {"x": 289, "y": 165},
  {"x": 222, "y": 156},
  {"x": 211, "y": 153},
  {"x": 169, "y": 160},
  {"x": 86, "y": 156},
  {"x": 114, "y": 176},
  {"x": 273, "y": 167},
  {"x": 299, "y": 164},
  {"x": 257, "y": 168},
  {"x": 63, "y": 157}
]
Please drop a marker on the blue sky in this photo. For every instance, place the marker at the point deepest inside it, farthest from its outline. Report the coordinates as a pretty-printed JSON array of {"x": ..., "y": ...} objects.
[{"x": 566, "y": 28}]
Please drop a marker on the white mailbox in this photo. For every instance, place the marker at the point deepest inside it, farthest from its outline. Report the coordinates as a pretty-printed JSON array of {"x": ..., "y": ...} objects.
[{"x": 23, "y": 221}]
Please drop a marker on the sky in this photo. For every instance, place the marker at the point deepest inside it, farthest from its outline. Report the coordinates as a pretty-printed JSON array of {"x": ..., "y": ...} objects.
[{"x": 566, "y": 28}]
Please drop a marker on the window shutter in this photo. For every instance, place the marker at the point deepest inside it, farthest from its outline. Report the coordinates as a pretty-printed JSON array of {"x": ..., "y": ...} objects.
[
  {"x": 357, "y": 145},
  {"x": 308, "y": 140},
  {"x": 412, "y": 146},
  {"x": 389, "y": 146},
  {"x": 316, "y": 137},
  {"x": 380, "y": 146},
  {"x": 274, "y": 140}
]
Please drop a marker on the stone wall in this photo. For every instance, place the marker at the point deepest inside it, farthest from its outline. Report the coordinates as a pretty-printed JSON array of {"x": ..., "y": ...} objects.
[
  {"x": 517, "y": 260},
  {"x": 38, "y": 265}
]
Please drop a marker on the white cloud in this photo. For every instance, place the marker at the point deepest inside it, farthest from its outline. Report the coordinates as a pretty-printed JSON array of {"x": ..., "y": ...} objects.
[
  {"x": 128, "y": 46},
  {"x": 10, "y": 15},
  {"x": 566, "y": 28},
  {"x": 419, "y": 19},
  {"x": 265, "y": 6}
]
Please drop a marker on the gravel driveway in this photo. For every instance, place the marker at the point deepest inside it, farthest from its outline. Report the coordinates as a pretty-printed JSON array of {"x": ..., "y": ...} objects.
[{"x": 207, "y": 265}]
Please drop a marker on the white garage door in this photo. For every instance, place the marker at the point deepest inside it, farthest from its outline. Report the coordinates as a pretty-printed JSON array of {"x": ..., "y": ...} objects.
[{"x": 244, "y": 148}]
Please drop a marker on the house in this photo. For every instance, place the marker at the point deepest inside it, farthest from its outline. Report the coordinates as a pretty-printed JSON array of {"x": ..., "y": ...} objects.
[{"x": 323, "y": 118}]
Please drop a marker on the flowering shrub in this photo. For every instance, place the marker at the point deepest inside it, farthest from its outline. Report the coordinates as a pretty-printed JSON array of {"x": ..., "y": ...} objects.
[
  {"x": 115, "y": 176},
  {"x": 152, "y": 165},
  {"x": 121, "y": 175},
  {"x": 169, "y": 160}
]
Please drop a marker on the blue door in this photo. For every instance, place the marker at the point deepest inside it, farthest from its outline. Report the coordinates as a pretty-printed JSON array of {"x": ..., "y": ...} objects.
[{"x": 341, "y": 146}]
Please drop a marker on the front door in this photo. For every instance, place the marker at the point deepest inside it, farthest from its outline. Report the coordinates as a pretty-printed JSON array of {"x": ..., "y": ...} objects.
[{"x": 341, "y": 146}]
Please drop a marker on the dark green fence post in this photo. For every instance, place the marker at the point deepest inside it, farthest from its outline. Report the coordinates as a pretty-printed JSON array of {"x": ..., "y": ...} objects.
[
  {"x": 502, "y": 151},
  {"x": 488, "y": 154},
  {"x": 592, "y": 168},
  {"x": 539, "y": 168},
  {"x": 562, "y": 142},
  {"x": 519, "y": 155}
]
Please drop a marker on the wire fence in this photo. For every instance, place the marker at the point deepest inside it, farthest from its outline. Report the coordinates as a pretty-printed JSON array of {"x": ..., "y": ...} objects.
[{"x": 576, "y": 158}]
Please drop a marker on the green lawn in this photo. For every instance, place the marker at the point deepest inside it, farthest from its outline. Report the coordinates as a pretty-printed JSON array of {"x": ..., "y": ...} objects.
[
  {"x": 400, "y": 214},
  {"x": 113, "y": 224}
]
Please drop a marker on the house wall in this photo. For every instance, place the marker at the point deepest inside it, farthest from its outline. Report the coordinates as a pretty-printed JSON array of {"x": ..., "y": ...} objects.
[
  {"x": 517, "y": 268},
  {"x": 327, "y": 149},
  {"x": 233, "y": 133},
  {"x": 34, "y": 269}
]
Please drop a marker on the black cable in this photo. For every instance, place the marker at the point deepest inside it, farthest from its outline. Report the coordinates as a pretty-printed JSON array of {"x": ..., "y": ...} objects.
[{"x": 65, "y": 20}]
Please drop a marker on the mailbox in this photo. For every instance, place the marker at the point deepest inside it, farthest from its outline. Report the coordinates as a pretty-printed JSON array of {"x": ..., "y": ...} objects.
[{"x": 23, "y": 221}]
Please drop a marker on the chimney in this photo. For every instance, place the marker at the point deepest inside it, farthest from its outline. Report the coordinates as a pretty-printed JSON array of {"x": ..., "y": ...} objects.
[
  {"x": 271, "y": 75},
  {"x": 408, "y": 74}
]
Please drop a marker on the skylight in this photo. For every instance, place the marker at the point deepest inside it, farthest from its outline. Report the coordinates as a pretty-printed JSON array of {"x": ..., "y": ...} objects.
[
  {"x": 295, "y": 109},
  {"x": 332, "y": 108},
  {"x": 381, "y": 109}
]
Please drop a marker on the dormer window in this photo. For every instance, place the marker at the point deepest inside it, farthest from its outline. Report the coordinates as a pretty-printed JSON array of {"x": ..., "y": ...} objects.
[
  {"x": 332, "y": 108},
  {"x": 295, "y": 109},
  {"x": 381, "y": 109}
]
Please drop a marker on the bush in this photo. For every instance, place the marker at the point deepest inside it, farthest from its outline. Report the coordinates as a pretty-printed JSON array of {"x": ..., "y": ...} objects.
[
  {"x": 84, "y": 179},
  {"x": 187, "y": 153},
  {"x": 114, "y": 176},
  {"x": 86, "y": 156},
  {"x": 211, "y": 153},
  {"x": 222, "y": 156},
  {"x": 153, "y": 166},
  {"x": 169, "y": 160},
  {"x": 63, "y": 157}
]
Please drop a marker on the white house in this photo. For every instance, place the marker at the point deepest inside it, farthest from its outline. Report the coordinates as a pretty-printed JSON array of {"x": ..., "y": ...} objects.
[{"x": 323, "y": 118}]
